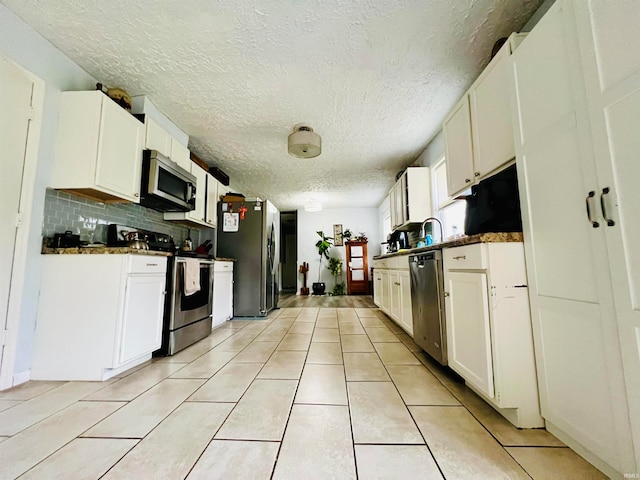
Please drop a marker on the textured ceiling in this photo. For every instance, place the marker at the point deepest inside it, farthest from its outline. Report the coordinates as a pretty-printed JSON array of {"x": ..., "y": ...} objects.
[{"x": 373, "y": 78}]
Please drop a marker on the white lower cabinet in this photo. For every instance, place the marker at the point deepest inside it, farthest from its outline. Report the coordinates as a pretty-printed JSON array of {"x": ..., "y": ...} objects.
[
  {"x": 222, "y": 292},
  {"x": 392, "y": 290},
  {"x": 489, "y": 336},
  {"x": 98, "y": 315}
]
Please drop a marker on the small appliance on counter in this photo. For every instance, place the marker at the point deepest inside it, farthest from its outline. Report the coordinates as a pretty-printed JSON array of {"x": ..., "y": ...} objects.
[
  {"x": 65, "y": 240},
  {"x": 397, "y": 241}
]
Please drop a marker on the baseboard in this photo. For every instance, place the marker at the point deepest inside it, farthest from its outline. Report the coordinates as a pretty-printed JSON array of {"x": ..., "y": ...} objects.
[{"x": 21, "y": 377}]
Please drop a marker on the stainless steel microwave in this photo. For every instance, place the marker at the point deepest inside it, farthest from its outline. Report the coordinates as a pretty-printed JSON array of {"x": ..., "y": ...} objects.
[{"x": 166, "y": 187}]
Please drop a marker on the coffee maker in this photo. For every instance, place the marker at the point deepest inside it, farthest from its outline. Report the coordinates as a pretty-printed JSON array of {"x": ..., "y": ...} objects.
[{"x": 397, "y": 241}]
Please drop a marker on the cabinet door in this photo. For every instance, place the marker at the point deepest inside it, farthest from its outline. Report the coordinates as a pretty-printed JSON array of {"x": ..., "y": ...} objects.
[
  {"x": 211, "y": 213},
  {"x": 611, "y": 62},
  {"x": 577, "y": 354},
  {"x": 198, "y": 213},
  {"x": 157, "y": 138},
  {"x": 377, "y": 287},
  {"x": 491, "y": 116},
  {"x": 385, "y": 291},
  {"x": 119, "y": 159},
  {"x": 142, "y": 316},
  {"x": 395, "y": 297},
  {"x": 458, "y": 147},
  {"x": 405, "y": 301},
  {"x": 468, "y": 329},
  {"x": 181, "y": 155},
  {"x": 222, "y": 295}
]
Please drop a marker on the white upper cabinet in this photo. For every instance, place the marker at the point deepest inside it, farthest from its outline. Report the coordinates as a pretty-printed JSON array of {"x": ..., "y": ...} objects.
[
  {"x": 479, "y": 130},
  {"x": 211, "y": 209},
  {"x": 181, "y": 155},
  {"x": 99, "y": 148},
  {"x": 157, "y": 138},
  {"x": 411, "y": 198},
  {"x": 459, "y": 147}
]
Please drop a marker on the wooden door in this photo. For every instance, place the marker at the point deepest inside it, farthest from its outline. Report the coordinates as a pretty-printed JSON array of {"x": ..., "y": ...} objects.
[{"x": 358, "y": 268}]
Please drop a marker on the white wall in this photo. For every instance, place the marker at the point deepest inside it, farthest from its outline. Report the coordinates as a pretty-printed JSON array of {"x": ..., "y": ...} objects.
[
  {"x": 355, "y": 219},
  {"x": 23, "y": 45}
]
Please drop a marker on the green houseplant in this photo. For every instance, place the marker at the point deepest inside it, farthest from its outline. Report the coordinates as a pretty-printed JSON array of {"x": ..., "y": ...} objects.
[
  {"x": 335, "y": 267},
  {"x": 323, "y": 245}
]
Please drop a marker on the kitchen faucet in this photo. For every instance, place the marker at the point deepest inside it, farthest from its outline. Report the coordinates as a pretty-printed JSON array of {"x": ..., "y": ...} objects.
[{"x": 430, "y": 219}]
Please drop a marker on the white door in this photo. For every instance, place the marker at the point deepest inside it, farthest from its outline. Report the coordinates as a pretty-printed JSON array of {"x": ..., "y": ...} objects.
[
  {"x": 612, "y": 73},
  {"x": 468, "y": 329},
  {"x": 574, "y": 326},
  {"x": 15, "y": 119}
]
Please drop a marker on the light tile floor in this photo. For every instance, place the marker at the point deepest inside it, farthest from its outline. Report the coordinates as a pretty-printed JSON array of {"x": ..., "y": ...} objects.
[{"x": 307, "y": 393}]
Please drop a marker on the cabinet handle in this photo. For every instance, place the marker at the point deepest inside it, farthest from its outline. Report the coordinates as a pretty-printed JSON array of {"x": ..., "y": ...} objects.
[
  {"x": 446, "y": 294},
  {"x": 477, "y": 174},
  {"x": 152, "y": 264},
  {"x": 136, "y": 194},
  {"x": 594, "y": 224},
  {"x": 610, "y": 222},
  {"x": 460, "y": 257},
  {"x": 396, "y": 283},
  {"x": 467, "y": 180}
]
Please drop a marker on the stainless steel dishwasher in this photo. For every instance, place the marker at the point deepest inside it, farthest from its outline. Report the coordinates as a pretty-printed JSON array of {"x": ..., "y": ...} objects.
[{"x": 427, "y": 303}]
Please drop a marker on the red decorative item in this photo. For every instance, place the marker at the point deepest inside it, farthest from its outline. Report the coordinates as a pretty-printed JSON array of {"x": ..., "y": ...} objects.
[{"x": 242, "y": 210}]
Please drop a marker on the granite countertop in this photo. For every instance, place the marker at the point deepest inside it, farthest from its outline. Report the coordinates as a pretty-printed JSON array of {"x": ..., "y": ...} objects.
[
  {"x": 102, "y": 251},
  {"x": 493, "y": 237},
  {"x": 223, "y": 259}
]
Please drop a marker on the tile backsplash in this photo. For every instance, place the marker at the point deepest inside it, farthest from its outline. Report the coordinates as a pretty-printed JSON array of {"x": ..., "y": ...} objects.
[{"x": 63, "y": 212}]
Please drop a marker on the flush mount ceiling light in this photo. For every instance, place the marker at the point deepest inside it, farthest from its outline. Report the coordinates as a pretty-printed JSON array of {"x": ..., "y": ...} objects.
[
  {"x": 304, "y": 143},
  {"x": 312, "y": 206}
]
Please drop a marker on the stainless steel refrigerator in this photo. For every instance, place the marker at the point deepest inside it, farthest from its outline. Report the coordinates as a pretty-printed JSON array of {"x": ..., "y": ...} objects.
[{"x": 248, "y": 231}]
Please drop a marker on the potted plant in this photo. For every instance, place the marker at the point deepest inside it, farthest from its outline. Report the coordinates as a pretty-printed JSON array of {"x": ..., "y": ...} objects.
[
  {"x": 335, "y": 267},
  {"x": 323, "y": 245}
]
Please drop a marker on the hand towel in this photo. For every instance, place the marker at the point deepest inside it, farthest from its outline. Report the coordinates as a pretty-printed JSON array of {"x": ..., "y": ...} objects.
[{"x": 191, "y": 276}]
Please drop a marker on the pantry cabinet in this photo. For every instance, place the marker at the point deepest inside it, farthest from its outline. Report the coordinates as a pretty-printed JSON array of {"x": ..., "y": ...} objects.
[
  {"x": 489, "y": 339},
  {"x": 479, "y": 130},
  {"x": 98, "y": 315},
  {"x": 410, "y": 198},
  {"x": 577, "y": 103},
  {"x": 99, "y": 149}
]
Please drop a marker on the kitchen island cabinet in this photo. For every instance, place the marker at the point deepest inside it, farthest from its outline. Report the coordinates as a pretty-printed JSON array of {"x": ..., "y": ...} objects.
[
  {"x": 99, "y": 149},
  {"x": 98, "y": 315}
]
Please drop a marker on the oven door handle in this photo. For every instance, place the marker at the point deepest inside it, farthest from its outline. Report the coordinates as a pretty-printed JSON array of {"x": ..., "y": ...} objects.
[{"x": 205, "y": 262}]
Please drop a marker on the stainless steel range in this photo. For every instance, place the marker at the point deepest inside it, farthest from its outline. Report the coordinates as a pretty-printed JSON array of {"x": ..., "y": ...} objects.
[
  {"x": 187, "y": 317},
  {"x": 187, "y": 311}
]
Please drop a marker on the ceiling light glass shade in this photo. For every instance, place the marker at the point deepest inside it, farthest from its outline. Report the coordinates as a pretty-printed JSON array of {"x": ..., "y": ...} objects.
[
  {"x": 304, "y": 143},
  {"x": 312, "y": 207}
]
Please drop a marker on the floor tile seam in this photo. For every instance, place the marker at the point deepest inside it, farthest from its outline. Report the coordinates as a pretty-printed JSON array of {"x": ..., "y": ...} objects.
[
  {"x": 217, "y": 371},
  {"x": 213, "y": 437},
  {"x": 54, "y": 413},
  {"x": 286, "y": 424},
  {"x": 84, "y": 399},
  {"x": 353, "y": 438},
  {"x": 462, "y": 403},
  {"x": 77, "y": 438},
  {"x": 30, "y": 398},
  {"x": 204, "y": 378}
]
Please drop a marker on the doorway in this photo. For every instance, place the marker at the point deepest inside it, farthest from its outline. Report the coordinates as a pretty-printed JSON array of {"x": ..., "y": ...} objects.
[
  {"x": 289, "y": 250},
  {"x": 21, "y": 99}
]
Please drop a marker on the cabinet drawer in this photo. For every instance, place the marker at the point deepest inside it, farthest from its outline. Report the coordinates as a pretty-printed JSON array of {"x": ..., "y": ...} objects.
[
  {"x": 223, "y": 266},
  {"x": 467, "y": 257},
  {"x": 147, "y": 264}
]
